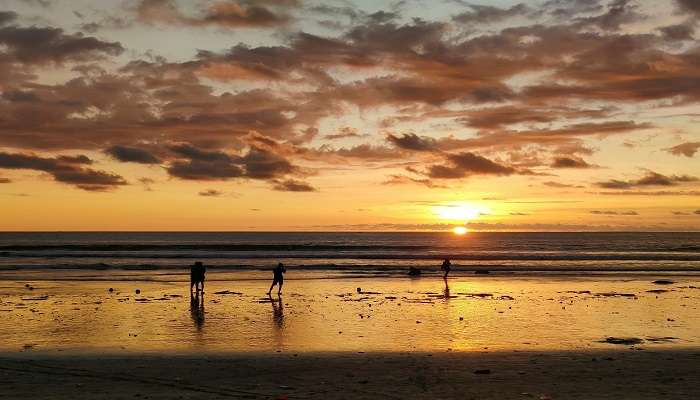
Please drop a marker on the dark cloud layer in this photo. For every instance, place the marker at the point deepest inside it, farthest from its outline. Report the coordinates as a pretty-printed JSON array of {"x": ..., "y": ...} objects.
[
  {"x": 570, "y": 162},
  {"x": 228, "y": 14},
  {"x": 132, "y": 154},
  {"x": 650, "y": 179},
  {"x": 457, "y": 72},
  {"x": 199, "y": 164},
  {"x": 64, "y": 169},
  {"x": 466, "y": 164}
]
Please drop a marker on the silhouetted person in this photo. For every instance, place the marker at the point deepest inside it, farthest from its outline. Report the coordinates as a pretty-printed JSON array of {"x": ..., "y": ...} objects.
[
  {"x": 197, "y": 272},
  {"x": 446, "y": 266},
  {"x": 278, "y": 278},
  {"x": 197, "y": 309},
  {"x": 446, "y": 292}
]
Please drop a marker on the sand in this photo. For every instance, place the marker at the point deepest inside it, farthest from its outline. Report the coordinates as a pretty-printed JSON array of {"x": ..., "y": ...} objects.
[
  {"x": 625, "y": 374},
  {"x": 559, "y": 337}
]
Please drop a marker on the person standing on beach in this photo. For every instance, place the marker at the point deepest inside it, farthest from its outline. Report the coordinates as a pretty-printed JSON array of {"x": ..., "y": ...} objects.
[
  {"x": 446, "y": 266},
  {"x": 197, "y": 272},
  {"x": 278, "y": 278}
]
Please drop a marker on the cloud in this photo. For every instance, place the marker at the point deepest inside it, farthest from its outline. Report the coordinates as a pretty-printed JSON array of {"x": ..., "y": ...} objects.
[
  {"x": 466, "y": 164},
  {"x": 211, "y": 193},
  {"x": 411, "y": 141},
  {"x": 37, "y": 45},
  {"x": 132, "y": 154},
  {"x": 64, "y": 169},
  {"x": 653, "y": 193},
  {"x": 7, "y": 16},
  {"x": 402, "y": 180},
  {"x": 650, "y": 179},
  {"x": 199, "y": 164},
  {"x": 291, "y": 185},
  {"x": 343, "y": 133},
  {"x": 482, "y": 14},
  {"x": 687, "y": 149},
  {"x": 606, "y": 212},
  {"x": 619, "y": 12},
  {"x": 570, "y": 162},
  {"x": 227, "y": 14},
  {"x": 689, "y": 5},
  {"x": 560, "y": 185}
]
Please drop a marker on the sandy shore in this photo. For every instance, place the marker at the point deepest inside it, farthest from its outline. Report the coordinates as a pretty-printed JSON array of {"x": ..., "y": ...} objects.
[
  {"x": 352, "y": 338},
  {"x": 626, "y": 374},
  {"x": 330, "y": 315}
]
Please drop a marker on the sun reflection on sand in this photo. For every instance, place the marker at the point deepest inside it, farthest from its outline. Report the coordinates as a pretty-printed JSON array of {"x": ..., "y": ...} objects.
[{"x": 390, "y": 314}]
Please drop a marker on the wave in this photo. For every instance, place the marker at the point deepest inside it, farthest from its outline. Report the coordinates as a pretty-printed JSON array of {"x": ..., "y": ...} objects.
[
  {"x": 534, "y": 256},
  {"x": 367, "y": 268}
]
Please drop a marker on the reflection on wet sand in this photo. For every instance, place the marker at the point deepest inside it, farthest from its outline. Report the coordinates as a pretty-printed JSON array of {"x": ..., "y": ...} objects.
[
  {"x": 388, "y": 314},
  {"x": 197, "y": 310},
  {"x": 277, "y": 312}
]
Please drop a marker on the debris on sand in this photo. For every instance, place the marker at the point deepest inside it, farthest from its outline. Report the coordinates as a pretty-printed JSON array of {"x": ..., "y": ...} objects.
[
  {"x": 658, "y": 291},
  {"x": 481, "y": 295},
  {"x": 36, "y": 298},
  {"x": 228, "y": 292},
  {"x": 111, "y": 290},
  {"x": 506, "y": 297},
  {"x": 615, "y": 294},
  {"x": 138, "y": 291},
  {"x": 578, "y": 291},
  {"x": 664, "y": 282},
  {"x": 665, "y": 339},
  {"x": 625, "y": 341}
]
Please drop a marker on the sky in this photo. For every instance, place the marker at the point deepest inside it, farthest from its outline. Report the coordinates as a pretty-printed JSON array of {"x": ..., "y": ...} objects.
[{"x": 295, "y": 115}]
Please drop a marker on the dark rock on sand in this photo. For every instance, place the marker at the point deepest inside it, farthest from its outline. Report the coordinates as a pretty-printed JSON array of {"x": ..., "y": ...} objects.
[
  {"x": 664, "y": 282},
  {"x": 138, "y": 291},
  {"x": 227, "y": 292},
  {"x": 624, "y": 341},
  {"x": 657, "y": 291}
]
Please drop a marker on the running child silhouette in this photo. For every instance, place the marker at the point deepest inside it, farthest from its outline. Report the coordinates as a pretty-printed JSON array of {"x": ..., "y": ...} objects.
[{"x": 278, "y": 278}]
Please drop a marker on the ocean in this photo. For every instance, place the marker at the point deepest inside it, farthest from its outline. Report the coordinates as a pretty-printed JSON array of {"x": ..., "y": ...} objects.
[{"x": 372, "y": 253}]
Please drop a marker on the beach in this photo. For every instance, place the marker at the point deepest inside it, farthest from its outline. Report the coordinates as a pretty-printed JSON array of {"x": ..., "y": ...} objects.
[
  {"x": 340, "y": 336},
  {"x": 542, "y": 316}
]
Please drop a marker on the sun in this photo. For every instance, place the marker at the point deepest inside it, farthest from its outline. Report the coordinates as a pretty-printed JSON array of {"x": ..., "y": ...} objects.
[{"x": 460, "y": 230}]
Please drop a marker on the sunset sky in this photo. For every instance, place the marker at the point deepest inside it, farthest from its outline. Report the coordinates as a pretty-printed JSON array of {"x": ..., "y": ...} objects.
[{"x": 553, "y": 115}]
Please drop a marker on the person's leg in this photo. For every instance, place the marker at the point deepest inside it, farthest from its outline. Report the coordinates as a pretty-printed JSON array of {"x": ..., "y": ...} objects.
[
  {"x": 271, "y": 286},
  {"x": 279, "y": 288}
]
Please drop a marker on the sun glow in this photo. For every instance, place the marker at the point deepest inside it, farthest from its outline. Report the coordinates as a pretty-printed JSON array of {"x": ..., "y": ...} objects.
[
  {"x": 460, "y": 230},
  {"x": 459, "y": 212}
]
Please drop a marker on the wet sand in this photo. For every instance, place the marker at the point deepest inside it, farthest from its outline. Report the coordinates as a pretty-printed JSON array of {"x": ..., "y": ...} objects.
[
  {"x": 351, "y": 337},
  {"x": 469, "y": 375}
]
